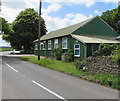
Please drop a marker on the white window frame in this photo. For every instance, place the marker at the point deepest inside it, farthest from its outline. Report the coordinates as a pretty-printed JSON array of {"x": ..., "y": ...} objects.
[
  {"x": 64, "y": 40},
  {"x": 49, "y": 44},
  {"x": 76, "y": 49},
  {"x": 55, "y": 42},
  {"x": 36, "y": 46},
  {"x": 41, "y": 43},
  {"x": 44, "y": 43}
]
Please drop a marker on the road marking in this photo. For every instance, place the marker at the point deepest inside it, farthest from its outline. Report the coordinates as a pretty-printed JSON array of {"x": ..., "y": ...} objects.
[
  {"x": 11, "y": 67},
  {"x": 48, "y": 90}
]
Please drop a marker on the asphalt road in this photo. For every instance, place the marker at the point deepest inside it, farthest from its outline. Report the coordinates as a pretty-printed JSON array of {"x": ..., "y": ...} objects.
[{"x": 24, "y": 80}]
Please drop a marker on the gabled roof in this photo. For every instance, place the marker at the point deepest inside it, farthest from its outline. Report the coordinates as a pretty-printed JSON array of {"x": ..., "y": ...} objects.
[
  {"x": 65, "y": 31},
  {"x": 95, "y": 39}
]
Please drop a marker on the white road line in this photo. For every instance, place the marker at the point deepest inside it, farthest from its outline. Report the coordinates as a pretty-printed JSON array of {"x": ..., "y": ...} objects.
[
  {"x": 11, "y": 67},
  {"x": 48, "y": 90}
]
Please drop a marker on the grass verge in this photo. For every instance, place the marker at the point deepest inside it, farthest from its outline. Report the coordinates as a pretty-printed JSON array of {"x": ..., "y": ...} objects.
[
  {"x": 5, "y": 49},
  {"x": 69, "y": 68}
]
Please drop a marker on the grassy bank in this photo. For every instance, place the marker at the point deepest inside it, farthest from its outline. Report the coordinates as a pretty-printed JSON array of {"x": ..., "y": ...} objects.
[
  {"x": 69, "y": 68},
  {"x": 6, "y": 49}
]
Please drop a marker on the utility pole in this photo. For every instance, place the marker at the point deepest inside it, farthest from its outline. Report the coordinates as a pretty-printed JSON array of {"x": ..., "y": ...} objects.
[{"x": 39, "y": 29}]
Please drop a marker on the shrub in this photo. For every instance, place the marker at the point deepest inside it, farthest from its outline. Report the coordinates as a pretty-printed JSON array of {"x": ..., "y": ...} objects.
[
  {"x": 79, "y": 63},
  {"x": 116, "y": 54},
  {"x": 58, "y": 53},
  {"x": 69, "y": 56},
  {"x": 105, "y": 49}
]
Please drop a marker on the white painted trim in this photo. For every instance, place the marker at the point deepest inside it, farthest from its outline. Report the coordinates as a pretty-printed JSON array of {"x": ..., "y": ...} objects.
[
  {"x": 56, "y": 42},
  {"x": 66, "y": 43},
  {"x": 50, "y": 44},
  {"x": 44, "y": 44},
  {"x": 76, "y": 49}
]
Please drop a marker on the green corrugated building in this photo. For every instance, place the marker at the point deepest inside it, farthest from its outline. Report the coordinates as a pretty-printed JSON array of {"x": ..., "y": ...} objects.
[{"x": 84, "y": 38}]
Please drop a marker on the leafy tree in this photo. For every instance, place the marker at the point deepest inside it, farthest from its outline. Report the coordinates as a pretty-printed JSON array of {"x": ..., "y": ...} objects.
[
  {"x": 25, "y": 28},
  {"x": 112, "y": 17},
  {"x": 6, "y": 30},
  {"x": 116, "y": 20}
]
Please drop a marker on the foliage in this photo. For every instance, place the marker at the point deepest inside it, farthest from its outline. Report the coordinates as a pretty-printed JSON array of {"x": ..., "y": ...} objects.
[
  {"x": 106, "y": 79},
  {"x": 69, "y": 57},
  {"x": 112, "y": 50},
  {"x": 79, "y": 63},
  {"x": 105, "y": 49},
  {"x": 69, "y": 68},
  {"x": 6, "y": 30},
  {"x": 25, "y": 28},
  {"x": 112, "y": 17},
  {"x": 58, "y": 53},
  {"x": 116, "y": 54}
]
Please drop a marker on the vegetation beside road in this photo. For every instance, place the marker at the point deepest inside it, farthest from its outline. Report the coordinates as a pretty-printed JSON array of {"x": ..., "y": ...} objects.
[
  {"x": 69, "y": 68},
  {"x": 6, "y": 49}
]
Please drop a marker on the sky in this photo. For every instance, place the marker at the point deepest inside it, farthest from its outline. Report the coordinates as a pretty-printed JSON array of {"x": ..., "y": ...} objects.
[{"x": 57, "y": 13}]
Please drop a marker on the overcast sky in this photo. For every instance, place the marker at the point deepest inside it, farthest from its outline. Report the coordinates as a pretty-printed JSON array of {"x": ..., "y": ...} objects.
[{"x": 58, "y": 13}]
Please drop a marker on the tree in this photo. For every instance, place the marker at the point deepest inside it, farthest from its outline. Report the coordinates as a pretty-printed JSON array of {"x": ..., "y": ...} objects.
[
  {"x": 6, "y": 30},
  {"x": 116, "y": 20},
  {"x": 25, "y": 28},
  {"x": 112, "y": 17}
]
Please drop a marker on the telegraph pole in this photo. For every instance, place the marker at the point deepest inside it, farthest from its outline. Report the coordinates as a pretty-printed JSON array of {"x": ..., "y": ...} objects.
[{"x": 39, "y": 29}]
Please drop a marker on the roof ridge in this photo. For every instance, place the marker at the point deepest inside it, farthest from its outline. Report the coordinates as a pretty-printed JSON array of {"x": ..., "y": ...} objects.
[
  {"x": 90, "y": 19},
  {"x": 67, "y": 30}
]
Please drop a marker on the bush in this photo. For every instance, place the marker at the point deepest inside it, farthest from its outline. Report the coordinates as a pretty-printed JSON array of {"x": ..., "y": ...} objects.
[
  {"x": 105, "y": 49},
  {"x": 116, "y": 54},
  {"x": 79, "y": 63},
  {"x": 58, "y": 53},
  {"x": 69, "y": 57}
]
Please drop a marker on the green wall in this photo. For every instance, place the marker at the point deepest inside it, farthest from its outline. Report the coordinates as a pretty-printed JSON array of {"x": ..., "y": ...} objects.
[
  {"x": 90, "y": 48},
  {"x": 94, "y": 28},
  {"x": 49, "y": 53},
  {"x": 73, "y": 41}
]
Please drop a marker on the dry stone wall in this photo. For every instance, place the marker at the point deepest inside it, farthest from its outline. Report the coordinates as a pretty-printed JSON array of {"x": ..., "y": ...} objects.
[{"x": 102, "y": 65}]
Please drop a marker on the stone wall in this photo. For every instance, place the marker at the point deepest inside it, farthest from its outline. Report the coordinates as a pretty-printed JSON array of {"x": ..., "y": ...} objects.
[{"x": 102, "y": 65}]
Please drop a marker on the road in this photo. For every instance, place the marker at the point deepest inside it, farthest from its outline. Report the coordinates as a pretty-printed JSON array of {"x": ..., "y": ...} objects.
[{"x": 24, "y": 80}]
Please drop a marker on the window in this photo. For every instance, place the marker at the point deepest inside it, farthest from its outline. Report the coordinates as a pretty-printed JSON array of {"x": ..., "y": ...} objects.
[
  {"x": 77, "y": 50},
  {"x": 49, "y": 44},
  {"x": 44, "y": 45},
  {"x": 41, "y": 45},
  {"x": 36, "y": 48},
  {"x": 64, "y": 43},
  {"x": 56, "y": 43}
]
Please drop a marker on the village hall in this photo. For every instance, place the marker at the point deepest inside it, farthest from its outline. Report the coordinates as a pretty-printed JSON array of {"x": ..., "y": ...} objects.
[{"x": 84, "y": 38}]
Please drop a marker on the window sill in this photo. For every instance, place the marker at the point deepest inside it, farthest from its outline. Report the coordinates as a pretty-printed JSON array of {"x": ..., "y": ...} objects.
[
  {"x": 64, "y": 48},
  {"x": 77, "y": 55}
]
